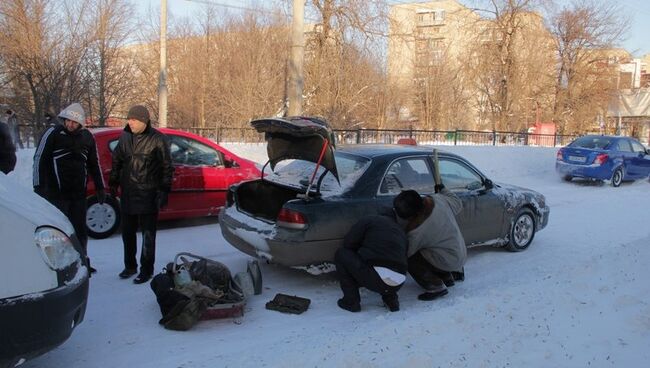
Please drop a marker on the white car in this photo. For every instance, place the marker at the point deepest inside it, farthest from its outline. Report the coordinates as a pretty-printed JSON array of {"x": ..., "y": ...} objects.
[{"x": 44, "y": 275}]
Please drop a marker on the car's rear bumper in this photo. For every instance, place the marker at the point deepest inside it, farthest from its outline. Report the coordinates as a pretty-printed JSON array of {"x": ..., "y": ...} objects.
[
  {"x": 34, "y": 324},
  {"x": 599, "y": 172},
  {"x": 270, "y": 244}
]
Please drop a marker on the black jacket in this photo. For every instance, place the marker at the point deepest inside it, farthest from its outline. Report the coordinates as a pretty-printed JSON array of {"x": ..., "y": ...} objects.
[
  {"x": 380, "y": 241},
  {"x": 7, "y": 150},
  {"x": 142, "y": 167},
  {"x": 62, "y": 162}
]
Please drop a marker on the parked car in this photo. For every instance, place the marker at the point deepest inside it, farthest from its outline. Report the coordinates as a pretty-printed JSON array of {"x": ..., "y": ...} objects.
[
  {"x": 286, "y": 219},
  {"x": 203, "y": 171},
  {"x": 44, "y": 290},
  {"x": 604, "y": 157}
]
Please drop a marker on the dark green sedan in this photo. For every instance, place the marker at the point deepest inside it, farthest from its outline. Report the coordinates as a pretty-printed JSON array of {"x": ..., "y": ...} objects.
[{"x": 298, "y": 214}]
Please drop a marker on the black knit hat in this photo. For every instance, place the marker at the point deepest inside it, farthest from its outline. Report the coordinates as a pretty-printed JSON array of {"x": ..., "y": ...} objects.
[{"x": 139, "y": 112}]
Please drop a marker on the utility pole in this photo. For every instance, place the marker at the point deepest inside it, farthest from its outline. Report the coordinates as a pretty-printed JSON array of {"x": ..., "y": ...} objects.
[
  {"x": 296, "y": 79},
  {"x": 162, "y": 80}
]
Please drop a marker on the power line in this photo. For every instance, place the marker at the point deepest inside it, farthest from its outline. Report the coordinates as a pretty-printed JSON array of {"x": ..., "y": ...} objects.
[{"x": 239, "y": 7}]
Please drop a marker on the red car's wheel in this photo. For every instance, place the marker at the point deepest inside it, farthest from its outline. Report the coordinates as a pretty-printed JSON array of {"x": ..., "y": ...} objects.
[{"x": 102, "y": 220}]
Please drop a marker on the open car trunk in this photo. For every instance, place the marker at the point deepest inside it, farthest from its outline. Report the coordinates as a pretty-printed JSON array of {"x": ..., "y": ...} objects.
[{"x": 263, "y": 199}]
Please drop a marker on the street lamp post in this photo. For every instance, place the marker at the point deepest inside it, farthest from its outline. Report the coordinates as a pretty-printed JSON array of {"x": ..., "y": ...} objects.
[{"x": 162, "y": 80}]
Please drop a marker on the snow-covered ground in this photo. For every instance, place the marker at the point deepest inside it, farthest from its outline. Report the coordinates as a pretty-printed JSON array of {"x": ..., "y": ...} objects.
[{"x": 578, "y": 297}]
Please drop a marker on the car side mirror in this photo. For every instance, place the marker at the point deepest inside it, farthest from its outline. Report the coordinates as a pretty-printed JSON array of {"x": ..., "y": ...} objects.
[{"x": 488, "y": 184}]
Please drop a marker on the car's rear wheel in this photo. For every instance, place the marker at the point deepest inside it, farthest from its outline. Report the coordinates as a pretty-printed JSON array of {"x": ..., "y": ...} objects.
[
  {"x": 522, "y": 231},
  {"x": 102, "y": 220},
  {"x": 617, "y": 177},
  {"x": 567, "y": 177}
]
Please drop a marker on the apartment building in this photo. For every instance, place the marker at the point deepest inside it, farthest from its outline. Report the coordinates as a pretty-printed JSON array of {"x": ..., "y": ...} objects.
[
  {"x": 422, "y": 34},
  {"x": 452, "y": 61}
]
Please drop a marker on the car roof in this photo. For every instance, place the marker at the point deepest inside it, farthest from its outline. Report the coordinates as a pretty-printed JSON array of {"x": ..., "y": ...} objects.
[
  {"x": 606, "y": 136},
  {"x": 99, "y": 131},
  {"x": 382, "y": 150}
]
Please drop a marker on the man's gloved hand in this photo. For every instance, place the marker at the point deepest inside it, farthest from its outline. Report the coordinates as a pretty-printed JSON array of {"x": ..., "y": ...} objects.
[
  {"x": 439, "y": 187},
  {"x": 101, "y": 196},
  {"x": 161, "y": 199}
]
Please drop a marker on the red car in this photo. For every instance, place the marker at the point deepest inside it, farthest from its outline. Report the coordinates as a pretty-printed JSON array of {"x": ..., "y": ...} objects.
[{"x": 203, "y": 171}]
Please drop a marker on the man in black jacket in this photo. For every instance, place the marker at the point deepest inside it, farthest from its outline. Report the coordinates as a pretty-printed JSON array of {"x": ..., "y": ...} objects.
[
  {"x": 143, "y": 169},
  {"x": 65, "y": 154},
  {"x": 373, "y": 256},
  {"x": 7, "y": 150}
]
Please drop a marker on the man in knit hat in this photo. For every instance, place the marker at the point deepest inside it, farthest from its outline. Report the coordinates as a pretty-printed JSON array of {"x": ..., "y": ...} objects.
[
  {"x": 65, "y": 154},
  {"x": 142, "y": 169}
]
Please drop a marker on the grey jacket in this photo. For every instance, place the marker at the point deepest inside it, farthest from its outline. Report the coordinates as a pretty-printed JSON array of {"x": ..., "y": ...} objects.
[{"x": 438, "y": 238}]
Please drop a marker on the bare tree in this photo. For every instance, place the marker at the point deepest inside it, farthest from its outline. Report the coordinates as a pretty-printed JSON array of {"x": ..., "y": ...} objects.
[
  {"x": 584, "y": 81},
  {"x": 512, "y": 60},
  {"x": 44, "y": 44},
  {"x": 109, "y": 65}
]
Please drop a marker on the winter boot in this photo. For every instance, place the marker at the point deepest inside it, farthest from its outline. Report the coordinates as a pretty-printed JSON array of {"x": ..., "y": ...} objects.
[
  {"x": 391, "y": 302},
  {"x": 459, "y": 276},
  {"x": 126, "y": 273},
  {"x": 141, "y": 278},
  {"x": 434, "y": 293},
  {"x": 348, "y": 306}
]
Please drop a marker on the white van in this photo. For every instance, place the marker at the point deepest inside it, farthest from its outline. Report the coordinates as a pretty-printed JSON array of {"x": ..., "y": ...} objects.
[{"x": 44, "y": 285}]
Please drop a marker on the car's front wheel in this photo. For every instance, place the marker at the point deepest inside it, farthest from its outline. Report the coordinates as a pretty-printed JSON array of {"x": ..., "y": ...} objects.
[
  {"x": 617, "y": 177},
  {"x": 522, "y": 231},
  {"x": 102, "y": 220},
  {"x": 567, "y": 177}
]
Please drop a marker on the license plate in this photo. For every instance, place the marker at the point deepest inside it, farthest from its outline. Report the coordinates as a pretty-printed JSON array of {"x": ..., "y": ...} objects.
[{"x": 577, "y": 158}]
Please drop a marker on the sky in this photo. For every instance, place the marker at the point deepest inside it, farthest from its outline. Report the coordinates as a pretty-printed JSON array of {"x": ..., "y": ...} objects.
[
  {"x": 577, "y": 297},
  {"x": 638, "y": 42}
]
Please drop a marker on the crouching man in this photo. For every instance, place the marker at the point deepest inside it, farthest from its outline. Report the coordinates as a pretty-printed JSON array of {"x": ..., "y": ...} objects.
[
  {"x": 373, "y": 256},
  {"x": 436, "y": 250}
]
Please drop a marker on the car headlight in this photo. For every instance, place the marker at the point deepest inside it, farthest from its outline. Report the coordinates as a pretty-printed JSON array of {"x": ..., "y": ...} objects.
[{"x": 56, "y": 248}]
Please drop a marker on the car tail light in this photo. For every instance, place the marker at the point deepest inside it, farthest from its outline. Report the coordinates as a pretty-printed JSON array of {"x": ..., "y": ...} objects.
[
  {"x": 291, "y": 219},
  {"x": 601, "y": 159},
  {"x": 558, "y": 156}
]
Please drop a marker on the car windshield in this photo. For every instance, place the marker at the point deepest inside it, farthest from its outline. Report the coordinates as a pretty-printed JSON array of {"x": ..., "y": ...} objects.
[
  {"x": 591, "y": 142},
  {"x": 297, "y": 173}
]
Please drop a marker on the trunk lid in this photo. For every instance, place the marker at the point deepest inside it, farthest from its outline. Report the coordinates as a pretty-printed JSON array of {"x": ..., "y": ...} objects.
[
  {"x": 300, "y": 138},
  {"x": 580, "y": 156}
]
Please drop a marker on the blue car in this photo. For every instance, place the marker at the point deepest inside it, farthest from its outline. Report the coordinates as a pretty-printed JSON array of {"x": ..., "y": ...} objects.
[{"x": 603, "y": 157}]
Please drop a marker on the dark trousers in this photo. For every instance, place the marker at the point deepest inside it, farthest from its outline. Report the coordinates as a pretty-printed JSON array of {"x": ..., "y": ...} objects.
[
  {"x": 425, "y": 274},
  {"x": 147, "y": 225},
  {"x": 75, "y": 211},
  {"x": 353, "y": 272}
]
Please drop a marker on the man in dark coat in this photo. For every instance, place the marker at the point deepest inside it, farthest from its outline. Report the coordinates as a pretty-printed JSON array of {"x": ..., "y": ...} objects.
[
  {"x": 373, "y": 256},
  {"x": 7, "y": 150},
  {"x": 65, "y": 154},
  {"x": 142, "y": 168}
]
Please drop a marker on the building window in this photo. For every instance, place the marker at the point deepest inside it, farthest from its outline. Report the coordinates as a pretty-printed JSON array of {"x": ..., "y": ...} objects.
[{"x": 430, "y": 17}]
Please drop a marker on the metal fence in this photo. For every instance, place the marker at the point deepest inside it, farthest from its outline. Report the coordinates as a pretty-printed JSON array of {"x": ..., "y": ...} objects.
[
  {"x": 388, "y": 136},
  {"x": 392, "y": 136}
]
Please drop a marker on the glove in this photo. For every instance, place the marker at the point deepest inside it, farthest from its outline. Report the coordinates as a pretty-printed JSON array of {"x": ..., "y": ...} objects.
[
  {"x": 101, "y": 196},
  {"x": 113, "y": 192},
  {"x": 439, "y": 187},
  {"x": 161, "y": 199}
]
